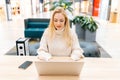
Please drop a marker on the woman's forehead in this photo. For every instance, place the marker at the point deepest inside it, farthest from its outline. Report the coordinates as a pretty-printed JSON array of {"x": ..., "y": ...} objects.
[{"x": 59, "y": 15}]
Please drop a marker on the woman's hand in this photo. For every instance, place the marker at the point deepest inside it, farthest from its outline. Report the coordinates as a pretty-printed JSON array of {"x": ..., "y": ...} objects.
[
  {"x": 45, "y": 56},
  {"x": 75, "y": 57}
]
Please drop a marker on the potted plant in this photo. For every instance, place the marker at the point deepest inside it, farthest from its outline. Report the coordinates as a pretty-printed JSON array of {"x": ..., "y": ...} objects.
[
  {"x": 78, "y": 21},
  {"x": 61, "y": 3},
  {"x": 88, "y": 27}
]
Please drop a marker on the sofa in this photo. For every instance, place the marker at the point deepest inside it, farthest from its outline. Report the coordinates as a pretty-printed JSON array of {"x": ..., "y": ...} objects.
[{"x": 34, "y": 27}]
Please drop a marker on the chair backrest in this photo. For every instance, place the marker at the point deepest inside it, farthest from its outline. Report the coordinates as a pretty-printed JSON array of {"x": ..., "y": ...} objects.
[
  {"x": 34, "y": 27},
  {"x": 36, "y": 23}
]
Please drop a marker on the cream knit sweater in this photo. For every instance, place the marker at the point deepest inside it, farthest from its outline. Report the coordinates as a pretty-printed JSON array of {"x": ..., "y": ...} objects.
[{"x": 58, "y": 46}]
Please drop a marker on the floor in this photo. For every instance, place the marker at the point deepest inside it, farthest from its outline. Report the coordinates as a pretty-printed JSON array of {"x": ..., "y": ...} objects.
[
  {"x": 108, "y": 36},
  {"x": 9, "y": 32}
]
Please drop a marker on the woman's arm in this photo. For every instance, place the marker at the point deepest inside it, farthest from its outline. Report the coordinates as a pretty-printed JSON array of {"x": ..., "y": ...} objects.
[
  {"x": 43, "y": 49},
  {"x": 77, "y": 51}
]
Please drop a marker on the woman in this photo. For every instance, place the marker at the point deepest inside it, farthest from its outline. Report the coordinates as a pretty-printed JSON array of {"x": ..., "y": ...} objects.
[{"x": 58, "y": 39}]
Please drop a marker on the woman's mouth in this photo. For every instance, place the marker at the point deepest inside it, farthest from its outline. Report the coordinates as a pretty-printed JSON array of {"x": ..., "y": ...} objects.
[{"x": 58, "y": 26}]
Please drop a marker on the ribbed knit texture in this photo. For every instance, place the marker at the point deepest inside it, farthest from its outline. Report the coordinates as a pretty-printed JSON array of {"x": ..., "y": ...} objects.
[{"x": 58, "y": 46}]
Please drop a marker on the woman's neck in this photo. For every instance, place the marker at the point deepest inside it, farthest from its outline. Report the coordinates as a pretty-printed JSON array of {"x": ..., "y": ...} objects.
[{"x": 60, "y": 29}]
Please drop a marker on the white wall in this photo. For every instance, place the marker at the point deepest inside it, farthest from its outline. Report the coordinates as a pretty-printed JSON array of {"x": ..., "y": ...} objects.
[
  {"x": 34, "y": 7},
  {"x": 104, "y": 9},
  {"x": 26, "y": 8}
]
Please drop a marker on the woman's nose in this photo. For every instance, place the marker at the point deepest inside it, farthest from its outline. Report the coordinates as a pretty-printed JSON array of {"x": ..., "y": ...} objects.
[{"x": 58, "y": 23}]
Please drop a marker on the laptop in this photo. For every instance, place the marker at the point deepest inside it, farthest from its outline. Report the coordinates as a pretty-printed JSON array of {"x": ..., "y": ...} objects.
[{"x": 72, "y": 68}]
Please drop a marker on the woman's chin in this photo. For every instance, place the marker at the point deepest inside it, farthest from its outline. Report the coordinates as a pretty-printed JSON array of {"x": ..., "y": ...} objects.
[{"x": 58, "y": 28}]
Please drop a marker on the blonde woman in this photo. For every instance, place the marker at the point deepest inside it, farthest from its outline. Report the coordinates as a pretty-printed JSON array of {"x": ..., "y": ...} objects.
[{"x": 58, "y": 39}]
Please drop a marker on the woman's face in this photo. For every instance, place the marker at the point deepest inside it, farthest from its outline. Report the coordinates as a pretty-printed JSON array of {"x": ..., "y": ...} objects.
[{"x": 59, "y": 21}]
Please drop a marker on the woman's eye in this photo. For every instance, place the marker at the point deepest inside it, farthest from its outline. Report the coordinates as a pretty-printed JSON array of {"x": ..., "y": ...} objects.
[
  {"x": 55, "y": 20},
  {"x": 61, "y": 20}
]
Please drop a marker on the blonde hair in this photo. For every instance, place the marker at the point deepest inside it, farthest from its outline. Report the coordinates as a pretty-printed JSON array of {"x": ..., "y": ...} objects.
[{"x": 67, "y": 34}]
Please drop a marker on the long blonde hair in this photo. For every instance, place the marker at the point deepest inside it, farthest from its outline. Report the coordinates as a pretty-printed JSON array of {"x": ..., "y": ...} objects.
[{"x": 67, "y": 33}]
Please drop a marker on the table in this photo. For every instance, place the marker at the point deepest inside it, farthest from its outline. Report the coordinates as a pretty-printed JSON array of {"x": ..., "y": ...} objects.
[{"x": 94, "y": 69}]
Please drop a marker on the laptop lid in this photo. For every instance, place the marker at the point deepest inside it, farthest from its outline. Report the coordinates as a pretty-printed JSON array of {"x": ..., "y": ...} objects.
[{"x": 59, "y": 67}]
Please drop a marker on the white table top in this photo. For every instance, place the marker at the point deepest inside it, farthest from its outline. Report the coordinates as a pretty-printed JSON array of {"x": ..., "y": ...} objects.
[{"x": 93, "y": 69}]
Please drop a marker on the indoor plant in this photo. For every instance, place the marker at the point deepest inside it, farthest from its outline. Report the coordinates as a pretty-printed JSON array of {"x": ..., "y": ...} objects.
[
  {"x": 87, "y": 25},
  {"x": 61, "y": 3},
  {"x": 78, "y": 21}
]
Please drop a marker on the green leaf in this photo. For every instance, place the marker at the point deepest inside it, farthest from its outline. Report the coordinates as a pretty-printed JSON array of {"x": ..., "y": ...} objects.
[
  {"x": 61, "y": 3},
  {"x": 70, "y": 9},
  {"x": 46, "y": 4},
  {"x": 53, "y": 8},
  {"x": 87, "y": 23}
]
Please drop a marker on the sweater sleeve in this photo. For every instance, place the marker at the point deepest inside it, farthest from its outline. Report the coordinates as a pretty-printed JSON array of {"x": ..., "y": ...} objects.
[
  {"x": 77, "y": 51},
  {"x": 43, "y": 49}
]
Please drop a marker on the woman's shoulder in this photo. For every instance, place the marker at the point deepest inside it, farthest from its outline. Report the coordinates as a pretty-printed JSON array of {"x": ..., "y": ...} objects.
[{"x": 46, "y": 31}]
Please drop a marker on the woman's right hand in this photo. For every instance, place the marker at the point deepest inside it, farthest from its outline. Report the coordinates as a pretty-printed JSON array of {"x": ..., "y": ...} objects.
[{"x": 44, "y": 55}]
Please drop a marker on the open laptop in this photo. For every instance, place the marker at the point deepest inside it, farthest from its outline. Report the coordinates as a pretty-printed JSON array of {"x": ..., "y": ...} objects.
[{"x": 59, "y": 67}]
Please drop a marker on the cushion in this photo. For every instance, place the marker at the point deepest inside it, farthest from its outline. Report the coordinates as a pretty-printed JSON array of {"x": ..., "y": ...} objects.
[
  {"x": 90, "y": 50},
  {"x": 33, "y": 49},
  {"x": 38, "y": 25},
  {"x": 34, "y": 33}
]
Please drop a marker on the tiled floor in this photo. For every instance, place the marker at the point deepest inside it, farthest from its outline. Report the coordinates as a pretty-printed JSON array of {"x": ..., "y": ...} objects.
[{"x": 108, "y": 36}]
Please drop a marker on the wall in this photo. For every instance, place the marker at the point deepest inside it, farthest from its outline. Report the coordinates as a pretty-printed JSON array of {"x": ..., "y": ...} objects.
[
  {"x": 25, "y": 8},
  {"x": 104, "y": 9}
]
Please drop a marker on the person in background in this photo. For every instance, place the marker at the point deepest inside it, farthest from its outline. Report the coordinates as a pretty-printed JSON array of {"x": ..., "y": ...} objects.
[{"x": 59, "y": 39}]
